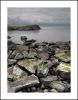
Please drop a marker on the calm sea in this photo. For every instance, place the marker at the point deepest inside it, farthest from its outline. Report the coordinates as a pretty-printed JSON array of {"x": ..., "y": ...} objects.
[{"x": 46, "y": 33}]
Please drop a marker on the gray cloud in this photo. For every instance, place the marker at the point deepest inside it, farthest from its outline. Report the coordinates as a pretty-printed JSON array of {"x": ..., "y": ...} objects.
[{"x": 25, "y": 16}]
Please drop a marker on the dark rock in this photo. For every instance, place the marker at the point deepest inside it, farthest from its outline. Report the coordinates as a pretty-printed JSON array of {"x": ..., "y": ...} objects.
[
  {"x": 11, "y": 45},
  {"x": 33, "y": 89},
  {"x": 9, "y": 37},
  {"x": 29, "y": 42},
  {"x": 24, "y": 28},
  {"x": 23, "y": 38}
]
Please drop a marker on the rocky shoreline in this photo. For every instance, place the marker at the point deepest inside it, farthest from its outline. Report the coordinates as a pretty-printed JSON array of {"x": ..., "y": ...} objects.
[{"x": 39, "y": 67}]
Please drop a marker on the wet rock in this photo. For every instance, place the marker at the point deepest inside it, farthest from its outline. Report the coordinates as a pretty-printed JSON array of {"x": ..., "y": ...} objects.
[
  {"x": 63, "y": 69},
  {"x": 57, "y": 85},
  {"x": 23, "y": 38},
  {"x": 48, "y": 79},
  {"x": 25, "y": 82},
  {"x": 11, "y": 61},
  {"x": 29, "y": 42}
]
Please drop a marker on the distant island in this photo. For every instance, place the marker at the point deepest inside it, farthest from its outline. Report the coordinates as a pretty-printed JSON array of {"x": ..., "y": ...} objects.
[{"x": 24, "y": 28}]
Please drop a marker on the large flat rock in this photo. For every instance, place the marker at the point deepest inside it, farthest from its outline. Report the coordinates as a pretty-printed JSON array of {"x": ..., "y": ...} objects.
[
  {"x": 49, "y": 79},
  {"x": 22, "y": 83}
]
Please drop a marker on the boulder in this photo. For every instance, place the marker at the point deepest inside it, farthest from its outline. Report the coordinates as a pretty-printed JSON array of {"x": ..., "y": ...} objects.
[
  {"x": 23, "y": 38},
  {"x": 29, "y": 64},
  {"x": 45, "y": 90},
  {"x": 24, "y": 82},
  {"x": 15, "y": 73},
  {"x": 63, "y": 57},
  {"x": 11, "y": 45},
  {"x": 57, "y": 85},
  {"x": 42, "y": 70},
  {"x": 63, "y": 69},
  {"x": 43, "y": 55},
  {"x": 49, "y": 79}
]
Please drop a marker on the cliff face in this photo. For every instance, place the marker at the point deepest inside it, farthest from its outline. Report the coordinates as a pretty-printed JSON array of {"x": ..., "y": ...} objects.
[{"x": 24, "y": 28}]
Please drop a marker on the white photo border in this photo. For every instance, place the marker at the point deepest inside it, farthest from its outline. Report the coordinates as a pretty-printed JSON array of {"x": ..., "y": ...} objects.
[{"x": 4, "y": 6}]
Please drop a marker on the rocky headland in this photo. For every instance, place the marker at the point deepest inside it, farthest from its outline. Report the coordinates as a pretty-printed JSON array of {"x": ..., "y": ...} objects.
[
  {"x": 24, "y": 28},
  {"x": 39, "y": 67}
]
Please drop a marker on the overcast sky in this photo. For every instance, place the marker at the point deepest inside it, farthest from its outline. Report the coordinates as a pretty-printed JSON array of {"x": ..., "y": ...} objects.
[{"x": 41, "y": 16}]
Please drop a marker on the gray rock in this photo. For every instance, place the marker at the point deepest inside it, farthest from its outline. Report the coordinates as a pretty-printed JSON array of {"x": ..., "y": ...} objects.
[
  {"x": 34, "y": 64},
  {"x": 22, "y": 48},
  {"x": 15, "y": 73},
  {"x": 54, "y": 61},
  {"x": 45, "y": 90},
  {"x": 53, "y": 90},
  {"x": 49, "y": 79},
  {"x": 18, "y": 56},
  {"x": 25, "y": 54},
  {"x": 43, "y": 55},
  {"x": 58, "y": 86},
  {"x": 33, "y": 89},
  {"x": 25, "y": 82},
  {"x": 11, "y": 61},
  {"x": 63, "y": 69},
  {"x": 42, "y": 86},
  {"x": 42, "y": 70},
  {"x": 63, "y": 56},
  {"x": 29, "y": 64}
]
